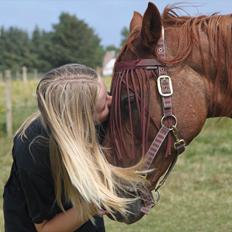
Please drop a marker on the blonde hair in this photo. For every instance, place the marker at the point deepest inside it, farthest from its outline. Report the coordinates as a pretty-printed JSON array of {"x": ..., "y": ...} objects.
[{"x": 66, "y": 100}]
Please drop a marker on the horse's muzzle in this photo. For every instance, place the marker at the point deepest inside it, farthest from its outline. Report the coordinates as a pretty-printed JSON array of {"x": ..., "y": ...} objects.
[
  {"x": 136, "y": 210},
  {"x": 133, "y": 215}
]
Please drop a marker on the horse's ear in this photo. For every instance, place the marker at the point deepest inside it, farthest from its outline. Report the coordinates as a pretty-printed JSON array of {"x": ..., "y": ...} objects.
[
  {"x": 136, "y": 21},
  {"x": 151, "y": 26}
]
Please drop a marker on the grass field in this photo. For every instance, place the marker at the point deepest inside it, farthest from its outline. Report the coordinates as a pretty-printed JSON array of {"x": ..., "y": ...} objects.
[{"x": 197, "y": 196}]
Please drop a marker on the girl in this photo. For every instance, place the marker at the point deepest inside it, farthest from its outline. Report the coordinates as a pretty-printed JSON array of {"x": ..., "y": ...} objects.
[{"x": 60, "y": 178}]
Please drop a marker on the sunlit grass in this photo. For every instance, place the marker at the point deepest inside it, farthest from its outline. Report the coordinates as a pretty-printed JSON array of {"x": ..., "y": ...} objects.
[{"x": 198, "y": 195}]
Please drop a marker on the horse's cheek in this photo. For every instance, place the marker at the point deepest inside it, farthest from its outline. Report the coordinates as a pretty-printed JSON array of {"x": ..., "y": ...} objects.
[{"x": 189, "y": 104}]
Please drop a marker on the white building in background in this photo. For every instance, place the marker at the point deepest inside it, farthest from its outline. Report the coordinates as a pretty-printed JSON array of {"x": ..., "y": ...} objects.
[
  {"x": 108, "y": 68},
  {"x": 108, "y": 63}
]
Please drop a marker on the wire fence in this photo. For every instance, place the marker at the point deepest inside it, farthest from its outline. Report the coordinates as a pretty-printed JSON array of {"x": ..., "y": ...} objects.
[{"x": 17, "y": 99}]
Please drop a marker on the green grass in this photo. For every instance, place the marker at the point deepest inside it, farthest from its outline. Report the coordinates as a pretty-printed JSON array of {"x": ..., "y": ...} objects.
[
  {"x": 23, "y": 103},
  {"x": 197, "y": 196}
]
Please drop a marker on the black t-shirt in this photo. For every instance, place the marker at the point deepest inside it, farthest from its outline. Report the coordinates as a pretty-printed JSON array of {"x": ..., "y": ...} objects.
[{"x": 29, "y": 192}]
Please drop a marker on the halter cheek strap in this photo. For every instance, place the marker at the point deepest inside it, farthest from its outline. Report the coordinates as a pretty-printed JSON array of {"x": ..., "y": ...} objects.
[{"x": 168, "y": 125}]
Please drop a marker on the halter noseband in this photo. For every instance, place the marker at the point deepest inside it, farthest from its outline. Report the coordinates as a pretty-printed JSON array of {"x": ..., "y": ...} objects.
[{"x": 168, "y": 120}]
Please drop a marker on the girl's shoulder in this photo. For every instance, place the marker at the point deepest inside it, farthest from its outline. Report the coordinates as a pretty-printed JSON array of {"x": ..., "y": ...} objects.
[
  {"x": 33, "y": 131},
  {"x": 32, "y": 149}
]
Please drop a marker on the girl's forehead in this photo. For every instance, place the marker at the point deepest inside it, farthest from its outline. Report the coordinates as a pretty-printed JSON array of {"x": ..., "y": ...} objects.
[
  {"x": 101, "y": 92},
  {"x": 102, "y": 87}
]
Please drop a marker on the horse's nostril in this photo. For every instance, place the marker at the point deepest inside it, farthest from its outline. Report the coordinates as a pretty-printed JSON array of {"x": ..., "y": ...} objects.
[
  {"x": 133, "y": 215},
  {"x": 130, "y": 218}
]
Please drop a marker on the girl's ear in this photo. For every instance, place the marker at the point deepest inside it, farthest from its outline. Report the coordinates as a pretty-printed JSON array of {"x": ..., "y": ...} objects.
[
  {"x": 136, "y": 21},
  {"x": 151, "y": 26}
]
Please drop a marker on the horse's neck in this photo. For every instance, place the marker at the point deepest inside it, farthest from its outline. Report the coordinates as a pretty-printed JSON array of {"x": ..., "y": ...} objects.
[
  {"x": 217, "y": 71},
  {"x": 217, "y": 80}
]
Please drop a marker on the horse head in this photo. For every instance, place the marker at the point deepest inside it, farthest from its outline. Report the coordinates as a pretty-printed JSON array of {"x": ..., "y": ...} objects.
[{"x": 172, "y": 73}]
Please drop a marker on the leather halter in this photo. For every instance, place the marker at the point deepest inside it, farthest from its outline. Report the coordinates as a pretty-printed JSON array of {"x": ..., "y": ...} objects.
[{"x": 168, "y": 120}]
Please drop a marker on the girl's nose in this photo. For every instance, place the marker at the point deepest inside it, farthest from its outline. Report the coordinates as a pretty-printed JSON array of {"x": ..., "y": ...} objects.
[{"x": 109, "y": 100}]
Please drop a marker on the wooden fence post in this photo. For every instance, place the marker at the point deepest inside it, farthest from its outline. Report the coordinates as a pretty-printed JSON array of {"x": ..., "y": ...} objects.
[
  {"x": 24, "y": 74},
  {"x": 1, "y": 76},
  {"x": 35, "y": 74},
  {"x": 17, "y": 75},
  {"x": 8, "y": 102}
]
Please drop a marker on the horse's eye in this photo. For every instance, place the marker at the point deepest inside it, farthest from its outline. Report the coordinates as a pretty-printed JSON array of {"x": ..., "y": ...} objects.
[{"x": 126, "y": 99}]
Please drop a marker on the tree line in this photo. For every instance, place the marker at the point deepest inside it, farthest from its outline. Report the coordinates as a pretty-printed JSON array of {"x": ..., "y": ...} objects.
[{"x": 71, "y": 40}]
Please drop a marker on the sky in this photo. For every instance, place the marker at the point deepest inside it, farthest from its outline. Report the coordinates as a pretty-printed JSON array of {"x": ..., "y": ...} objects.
[{"x": 106, "y": 17}]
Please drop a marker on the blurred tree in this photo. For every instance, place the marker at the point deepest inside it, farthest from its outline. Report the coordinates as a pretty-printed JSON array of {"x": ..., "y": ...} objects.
[
  {"x": 15, "y": 49},
  {"x": 70, "y": 41},
  {"x": 41, "y": 48},
  {"x": 124, "y": 35},
  {"x": 111, "y": 48},
  {"x": 75, "y": 42}
]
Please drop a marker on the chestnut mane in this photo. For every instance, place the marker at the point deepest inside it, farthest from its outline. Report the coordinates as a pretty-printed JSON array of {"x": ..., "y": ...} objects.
[
  {"x": 215, "y": 60},
  {"x": 218, "y": 31}
]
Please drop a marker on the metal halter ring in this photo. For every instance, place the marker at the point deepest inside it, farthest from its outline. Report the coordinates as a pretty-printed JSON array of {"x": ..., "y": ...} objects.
[
  {"x": 172, "y": 116},
  {"x": 156, "y": 196}
]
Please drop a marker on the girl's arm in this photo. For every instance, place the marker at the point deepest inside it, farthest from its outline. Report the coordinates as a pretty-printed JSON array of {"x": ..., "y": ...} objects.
[{"x": 62, "y": 222}]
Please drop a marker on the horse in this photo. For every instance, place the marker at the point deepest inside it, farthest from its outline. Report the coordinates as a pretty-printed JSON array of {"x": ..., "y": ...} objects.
[{"x": 172, "y": 74}]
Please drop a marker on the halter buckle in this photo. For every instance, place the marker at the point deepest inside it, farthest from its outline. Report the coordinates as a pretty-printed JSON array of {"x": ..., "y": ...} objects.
[
  {"x": 164, "y": 84},
  {"x": 179, "y": 144}
]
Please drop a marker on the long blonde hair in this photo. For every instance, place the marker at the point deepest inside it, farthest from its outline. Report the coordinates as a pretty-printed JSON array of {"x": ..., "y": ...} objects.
[{"x": 66, "y": 100}]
